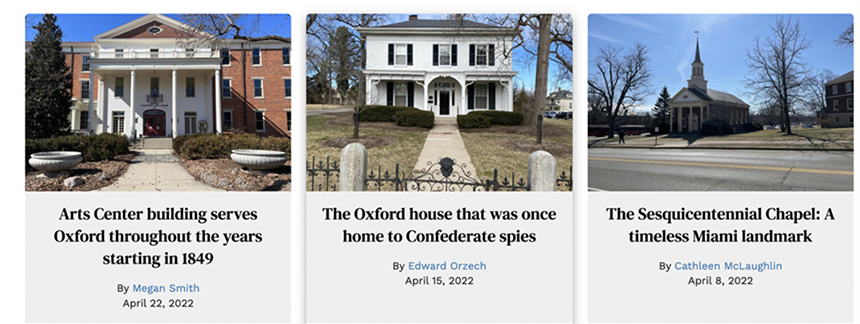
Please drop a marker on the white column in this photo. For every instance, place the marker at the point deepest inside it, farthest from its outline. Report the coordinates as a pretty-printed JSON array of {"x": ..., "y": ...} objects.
[
  {"x": 173, "y": 106},
  {"x": 90, "y": 103},
  {"x": 218, "y": 101},
  {"x": 511, "y": 95},
  {"x": 101, "y": 107},
  {"x": 690, "y": 120},
  {"x": 680, "y": 115},
  {"x": 425, "y": 103},
  {"x": 129, "y": 117}
]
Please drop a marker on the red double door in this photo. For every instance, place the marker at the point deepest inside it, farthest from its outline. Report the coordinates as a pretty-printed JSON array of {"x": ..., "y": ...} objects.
[{"x": 153, "y": 123}]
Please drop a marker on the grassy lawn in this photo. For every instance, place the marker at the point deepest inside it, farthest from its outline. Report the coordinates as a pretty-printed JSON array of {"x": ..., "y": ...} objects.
[
  {"x": 405, "y": 151},
  {"x": 487, "y": 153},
  {"x": 328, "y": 106}
]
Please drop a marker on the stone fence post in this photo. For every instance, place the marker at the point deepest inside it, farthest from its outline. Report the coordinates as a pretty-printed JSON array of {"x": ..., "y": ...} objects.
[
  {"x": 542, "y": 171},
  {"x": 353, "y": 167}
]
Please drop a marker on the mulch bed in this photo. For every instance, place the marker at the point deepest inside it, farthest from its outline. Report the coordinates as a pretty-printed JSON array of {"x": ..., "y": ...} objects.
[
  {"x": 548, "y": 130},
  {"x": 556, "y": 150},
  {"x": 96, "y": 175},
  {"x": 368, "y": 141},
  {"x": 345, "y": 119},
  {"x": 227, "y": 175}
]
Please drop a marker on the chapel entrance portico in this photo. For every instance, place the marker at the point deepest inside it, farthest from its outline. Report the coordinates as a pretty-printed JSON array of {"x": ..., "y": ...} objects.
[{"x": 691, "y": 119}]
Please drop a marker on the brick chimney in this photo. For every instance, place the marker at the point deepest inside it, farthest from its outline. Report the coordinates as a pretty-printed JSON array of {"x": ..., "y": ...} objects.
[{"x": 413, "y": 17}]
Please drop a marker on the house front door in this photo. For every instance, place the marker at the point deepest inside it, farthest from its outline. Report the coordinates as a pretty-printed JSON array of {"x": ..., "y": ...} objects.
[
  {"x": 153, "y": 123},
  {"x": 444, "y": 103}
]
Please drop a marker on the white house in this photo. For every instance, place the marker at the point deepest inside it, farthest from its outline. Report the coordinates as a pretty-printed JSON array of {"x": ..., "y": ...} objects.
[{"x": 449, "y": 67}]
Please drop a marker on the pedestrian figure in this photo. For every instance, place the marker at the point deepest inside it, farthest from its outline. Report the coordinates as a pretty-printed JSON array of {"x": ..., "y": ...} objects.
[{"x": 620, "y": 136}]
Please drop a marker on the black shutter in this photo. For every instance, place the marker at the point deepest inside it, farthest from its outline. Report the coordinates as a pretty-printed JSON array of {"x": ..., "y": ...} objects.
[
  {"x": 453, "y": 95},
  {"x": 390, "y": 54},
  {"x": 454, "y": 55},
  {"x": 408, "y": 54},
  {"x": 491, "y": 55},
  {"x": 492, "y": 94},
  {"x": 435, "y": 54},
  {"x": 410, "y": 92},
  {"x": 471, "y": 95},
  {"x": 471, "y": 56},
  {"x": 389, "y": 93},
  {"x": 435, "y": 96}
]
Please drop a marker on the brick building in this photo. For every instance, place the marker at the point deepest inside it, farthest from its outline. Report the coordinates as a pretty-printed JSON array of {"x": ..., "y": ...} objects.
[
  {"x": 839, "y": 97},
  {"x": 144, "y": 78}
]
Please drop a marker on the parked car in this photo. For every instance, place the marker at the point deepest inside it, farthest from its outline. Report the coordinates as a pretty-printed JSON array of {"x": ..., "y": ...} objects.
[
  {"x": 549, "y": 114},
  {"x": 564, "y": 115}
]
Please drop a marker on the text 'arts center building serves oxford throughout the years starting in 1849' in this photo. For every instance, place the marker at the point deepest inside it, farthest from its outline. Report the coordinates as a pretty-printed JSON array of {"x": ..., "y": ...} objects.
[{"x": 155, "y": 76}]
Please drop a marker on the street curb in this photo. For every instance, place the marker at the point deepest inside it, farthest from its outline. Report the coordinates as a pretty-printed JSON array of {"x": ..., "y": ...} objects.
[{"x": 724, "y": 148}]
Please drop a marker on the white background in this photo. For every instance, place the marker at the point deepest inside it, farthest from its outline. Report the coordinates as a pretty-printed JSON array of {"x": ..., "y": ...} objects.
[{"x": 11, "y": 230}]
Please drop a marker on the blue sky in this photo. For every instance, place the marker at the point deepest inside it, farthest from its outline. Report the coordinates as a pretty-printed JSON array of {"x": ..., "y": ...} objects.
[
  {"x": 723, "y": 39},
  {"x": 526, "y": 72},
  {"x": 82, "y": 27}
]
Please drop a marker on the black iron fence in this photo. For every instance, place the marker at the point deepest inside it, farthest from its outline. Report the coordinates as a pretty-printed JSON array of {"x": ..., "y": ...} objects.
[{"x": 443, "y": 175}]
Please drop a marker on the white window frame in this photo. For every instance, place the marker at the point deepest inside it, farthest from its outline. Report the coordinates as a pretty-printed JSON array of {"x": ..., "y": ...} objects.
[
  {"x": 261, "y": 121},
  {"x": 404, "y": 55},
  {"x": 405, "y": 94},
  {"x": 222, "y": 57},
  {"x": 835, "y": 89},
  {"x": 848, "y": 87},
  {"x": 119, "y": 83},
  {"x": 190, "y": 116},
  {"x": 486, "y": 55},
  {"x": 193, "y": 87},
  {"x": 82, "y": 122},
  {"x": 189, "y": 52},
  {"x": 85, "y": 63},
  {"x": 118, "y": 121},
  {"x": 486, "y": 96},
  {"x": 259, "y": 56},
  {"x": 289, "y": 55},
  {"x": 228, "y": 93},
  {"x": 291, "y": 88},
  {"x": 118, "y": 52},
  {"x": 254, "y": 83},
  {"x": 836, "y": 105},
  {"x": 441, "y": 62},
  {"x": 85, "y": 94}
]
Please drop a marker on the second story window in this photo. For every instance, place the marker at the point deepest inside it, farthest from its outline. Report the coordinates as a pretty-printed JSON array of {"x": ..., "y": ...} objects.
[
  {"x": 118, "y": 53},
  {"x": 226, "y": 89},
  {"x": 85, "y": 89},
  {"x": 445, "y": 55},
  {"x": 153, "y": 53},
  {"x": 86, "y": 63},
  {"x": 258, "y": 88},
  {"x": 153, "y": 87},
  {"x": 835, "y": 105},
  {"x": 255, "y": 56},
  {"x": 400, "y": 54},
  {"x": 482, "y": 54},
  {"x": 288, "y": 88},
  {"x": 189, "y": 87},
  {"x": 225, "y": 56},
  {"x": 119, "y": 88},
  {"x": 833, "y": 90},
  {"x": 189, "y": 52},
  {"x": 285, "y": 55},
  {"x": 848, "y": 87}
]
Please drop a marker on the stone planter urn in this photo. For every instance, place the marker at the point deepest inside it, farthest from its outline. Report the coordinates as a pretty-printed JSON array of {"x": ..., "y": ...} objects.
[
  {"x": 259, "y": 159},
  {"x": 55, "y": 161}
]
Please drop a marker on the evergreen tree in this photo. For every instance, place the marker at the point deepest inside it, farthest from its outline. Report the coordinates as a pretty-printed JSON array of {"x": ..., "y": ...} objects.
[
  {"x": 661, "y": 110},
  {"x": 48, "y": 83}
]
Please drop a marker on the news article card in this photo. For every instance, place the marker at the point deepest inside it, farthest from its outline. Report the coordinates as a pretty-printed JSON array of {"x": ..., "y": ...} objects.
[
  {"x": 158, "y": 257},
  {"x": 439, "y": 257},
  {"x": 721, "y": 257}
]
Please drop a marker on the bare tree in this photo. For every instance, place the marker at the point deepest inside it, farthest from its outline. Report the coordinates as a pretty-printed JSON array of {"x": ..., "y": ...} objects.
[
  {"x": 846, "y": 38},
  {"x": 777, "y": 68},
  {"x": 815, "y": 102},
  {"x": 621, "y": 80},
  {"x": 211, "y": 28}
]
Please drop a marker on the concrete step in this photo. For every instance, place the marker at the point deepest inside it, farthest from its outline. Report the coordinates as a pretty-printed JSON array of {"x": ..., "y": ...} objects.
[{"x": 157, "y": 143}]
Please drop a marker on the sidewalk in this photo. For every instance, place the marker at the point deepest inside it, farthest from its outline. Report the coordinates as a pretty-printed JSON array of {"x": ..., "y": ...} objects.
[
  {"x": 156, "y": 170},
  {"x": 444, "y": 140}
]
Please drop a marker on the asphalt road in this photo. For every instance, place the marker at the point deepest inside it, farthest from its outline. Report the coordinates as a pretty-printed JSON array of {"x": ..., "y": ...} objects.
[{"x": 613, "y": 169}]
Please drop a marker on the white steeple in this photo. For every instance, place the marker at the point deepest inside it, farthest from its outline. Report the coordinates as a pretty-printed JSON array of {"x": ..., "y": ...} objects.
[{"x": 697, "y": 79}]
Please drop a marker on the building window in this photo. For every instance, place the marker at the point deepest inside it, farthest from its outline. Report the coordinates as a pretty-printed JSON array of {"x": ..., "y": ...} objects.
[
  {"x": 153, "y": 53},
  {"x": 226, "y": 89},
  {"x": 119, "y": 88},
  {"x": 288, "y": 88},
  {"x": 118, "y": 121},
  {"x": 85, "y": 116},
  {"x": 833, "y": 89},
  {"x": 85, "y": 89},
  {"x": 260, "y": 121},
  {"x": 225, "y": 56},
  {"x": 444, "y": 54},
  {"x": 835, "y": 105},
  {"x": 850, "y": 103},
  {"x": 189, "y": 87},
  {"x": 289, "y": 120},
  {"x": 189, "y": 52},
  {"x": 481, "y": 97},
  {"x": 848, "y": 87},
  {"x": 481, "y": 54},
  {"x": 86, "y": 63},
  {"x": 285, "y": 55},
  {"x": 190, "y": 122},
  {"x": 258, "y": 88},
  {"x": 153, "y": 87},
  {"x": 399, "y": 54},
  {"x": 255, "y": 56},
  {"x": 400, "y": 94},
  {"x": 837, "y": 119},
  {"x": 227, "y": 121},
  {"x": 118, "y": 53}
]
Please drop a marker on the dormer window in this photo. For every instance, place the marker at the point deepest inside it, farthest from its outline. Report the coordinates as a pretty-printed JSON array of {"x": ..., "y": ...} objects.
[
  {"x": 153, "y": 53},
  {"x": 154, "y": 30}
]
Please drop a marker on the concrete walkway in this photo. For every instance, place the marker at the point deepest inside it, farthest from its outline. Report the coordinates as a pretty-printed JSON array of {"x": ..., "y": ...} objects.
[
  {"x": 156, "y": 170},
  {"x": 444, "y": 140}
]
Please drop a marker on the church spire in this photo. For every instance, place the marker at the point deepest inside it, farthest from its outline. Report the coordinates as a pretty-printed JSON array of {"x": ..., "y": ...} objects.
[
  {"x": 697, "y": 79},
  {"x": 698, "y": 59}
]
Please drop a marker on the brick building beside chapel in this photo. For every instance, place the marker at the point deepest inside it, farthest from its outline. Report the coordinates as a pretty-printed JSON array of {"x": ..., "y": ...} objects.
[{"x": 143, "y": 79}]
